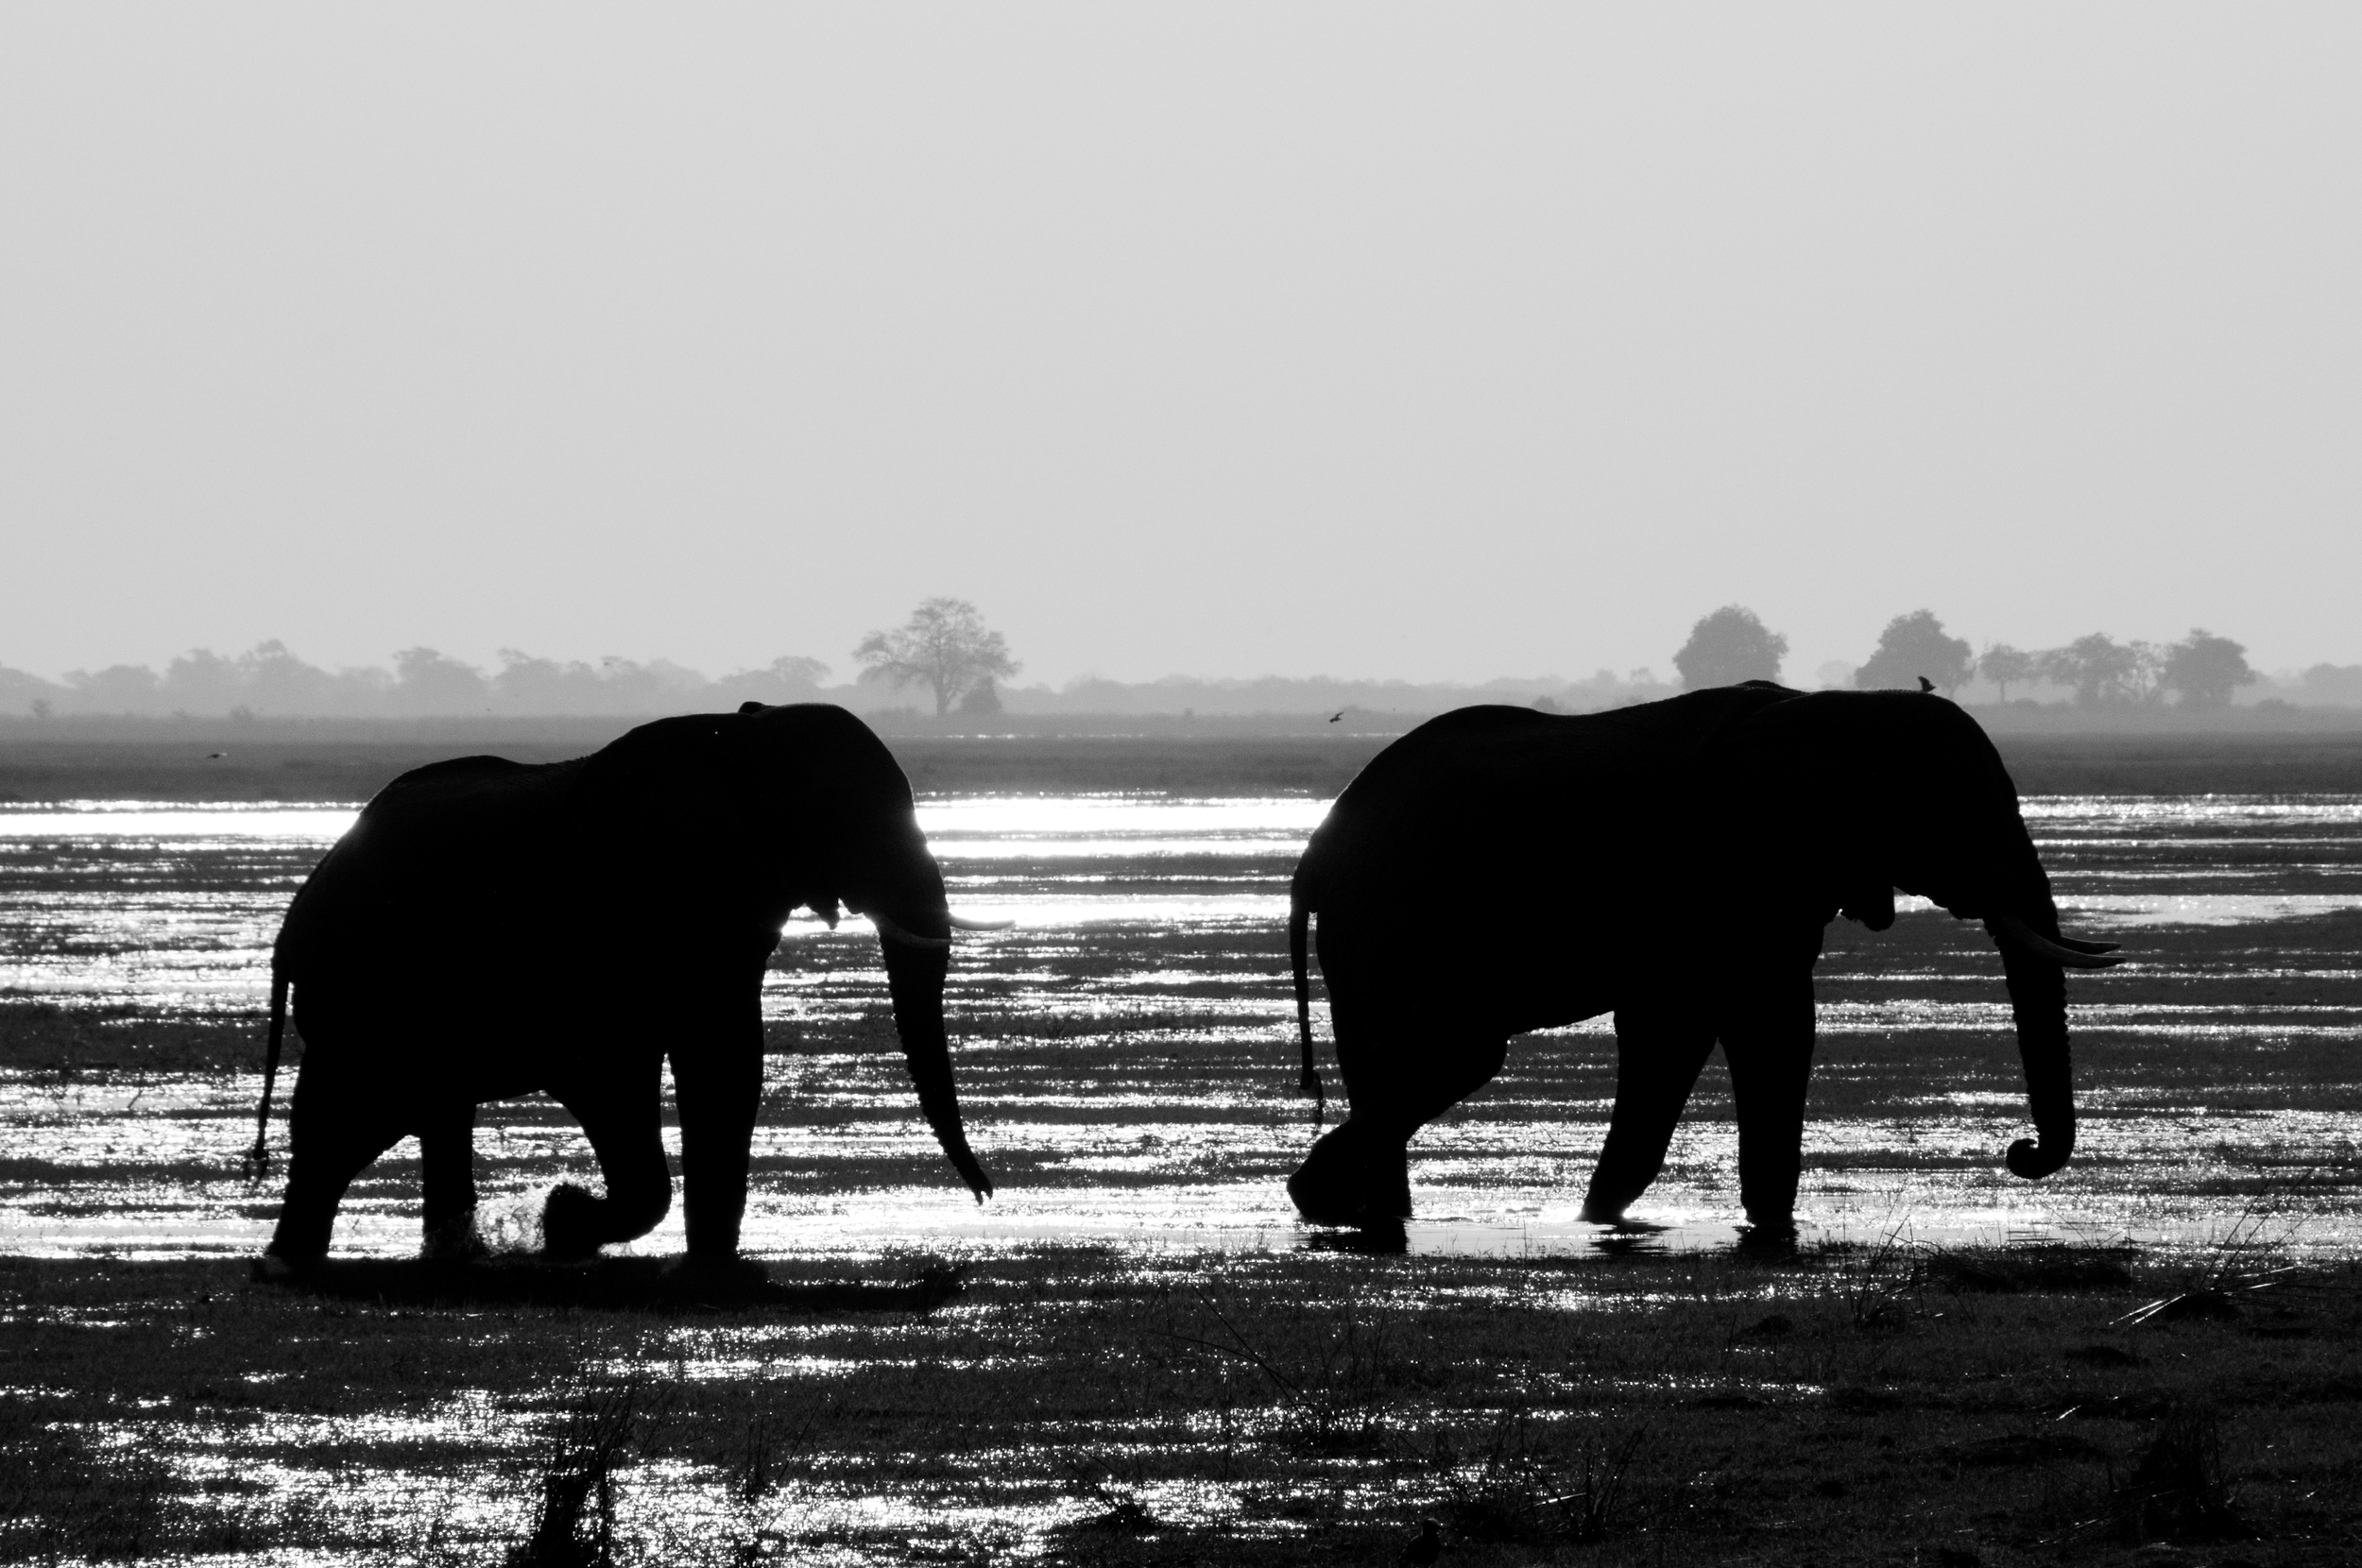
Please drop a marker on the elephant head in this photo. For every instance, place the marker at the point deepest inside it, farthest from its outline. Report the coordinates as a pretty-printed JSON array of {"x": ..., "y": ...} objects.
[
  {"x": 817, "y": 813},
  {"x": 1849, "y": 794}
]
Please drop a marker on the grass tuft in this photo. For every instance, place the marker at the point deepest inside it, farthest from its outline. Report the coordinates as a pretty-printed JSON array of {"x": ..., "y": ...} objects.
[
  {"x": 2180, "y": 1490},
  {"x": 1525, "y": 1491},
  {"x": 574, "y": 1526}
]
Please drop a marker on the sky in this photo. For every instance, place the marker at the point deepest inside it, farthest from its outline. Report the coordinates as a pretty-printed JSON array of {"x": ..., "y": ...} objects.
[{"x": 1433, "y": 342}]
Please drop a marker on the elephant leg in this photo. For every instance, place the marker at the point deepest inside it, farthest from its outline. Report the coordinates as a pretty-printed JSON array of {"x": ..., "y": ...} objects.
[
  {"x": 1768, "y": 1044},
  {"x": 720, "y": 1089},
  {"x": 1658, "y": 1057},
  {"x": 336, "y": 1129},
  {"x": 1401, "y": 1072},
  {"x": 447, "y": 1174},
  {"x": 621, "y": 1115}
]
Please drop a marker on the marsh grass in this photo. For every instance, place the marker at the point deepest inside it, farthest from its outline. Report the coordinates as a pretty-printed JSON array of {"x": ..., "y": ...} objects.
[
  {"x": 2178, "y": 1491},
  {"x": 1531, "y": 1486},
  {"x": 574, "y": 1524},
  {"x": 1086, "y": 1404}
]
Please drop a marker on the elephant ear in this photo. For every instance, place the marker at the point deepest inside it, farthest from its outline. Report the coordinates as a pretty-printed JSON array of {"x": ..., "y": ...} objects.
[{"x": 1813, "y": 806}]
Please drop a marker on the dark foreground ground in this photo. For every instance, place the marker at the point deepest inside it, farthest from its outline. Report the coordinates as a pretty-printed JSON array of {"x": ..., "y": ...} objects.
[
  {"x": 281, "y": 763},
  {"x": 1866, "y": 1406}
]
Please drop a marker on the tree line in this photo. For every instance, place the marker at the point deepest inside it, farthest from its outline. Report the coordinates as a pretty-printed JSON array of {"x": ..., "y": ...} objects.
[
  {"x": 2202, "y": 669},
  {"x": 946, "y": 649},
  {"x": 944, "y": 646}
]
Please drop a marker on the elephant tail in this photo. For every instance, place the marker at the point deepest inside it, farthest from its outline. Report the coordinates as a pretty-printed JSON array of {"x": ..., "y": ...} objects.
[
  {"x": 258, "y": 1157},
  {"x": 1299, "y": 954}
]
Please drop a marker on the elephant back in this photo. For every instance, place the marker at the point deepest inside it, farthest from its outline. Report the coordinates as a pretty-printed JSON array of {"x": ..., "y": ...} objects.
[
  {"x": 1521, "y": 809},
  {"x": 435, "y": 865}
]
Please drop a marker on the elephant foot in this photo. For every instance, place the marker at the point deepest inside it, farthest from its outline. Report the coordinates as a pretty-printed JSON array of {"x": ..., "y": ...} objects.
[
  {"x": 573, "y": 1223},
  {"x": 1597, "y": 1212},
  {"x": 270, "y": 1268},
  {"x": 454, "y": 1240},
  {"x": 1768, "y": 1237},
  {"x": 1353, "y": 1179},
  {"x": 1316, "y": 1207}
]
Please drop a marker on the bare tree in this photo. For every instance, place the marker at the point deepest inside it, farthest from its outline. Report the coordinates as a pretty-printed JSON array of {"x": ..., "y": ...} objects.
[
  {"x": 945, "y": 645},
  {"x": 2206, "y": 669},
  {"x": 1913, "y": 648},
  {"x": 1729, "y": 646}
]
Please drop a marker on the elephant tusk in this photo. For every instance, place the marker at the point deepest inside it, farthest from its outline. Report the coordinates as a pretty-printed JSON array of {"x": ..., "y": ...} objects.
[
  {"x": 2010, "y": 931},
  {"x": 889, "y": 931},
  {"x": 960, "y": 925}
]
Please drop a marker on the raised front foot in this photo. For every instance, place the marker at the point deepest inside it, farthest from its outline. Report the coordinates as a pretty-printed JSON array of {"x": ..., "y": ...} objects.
[
  {"x": 574, "y": 1223},
  {"x": 1354, "y": 1177}
]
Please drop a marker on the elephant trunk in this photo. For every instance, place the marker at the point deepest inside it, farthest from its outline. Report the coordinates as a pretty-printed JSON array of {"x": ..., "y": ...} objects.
[
  {"x": 914, "y": 976},
  {"x": 2038, "y": 996}
]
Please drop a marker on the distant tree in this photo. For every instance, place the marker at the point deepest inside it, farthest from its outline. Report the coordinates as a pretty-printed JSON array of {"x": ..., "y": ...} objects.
[
  {"x": 2206, "y": 669},
  {"x": 2006, "y": 667},
  {"x": 201, "y": 681},
  {"x": 2098, "y": 667},
  {"x": 1729, "y": 646},
  {"x": 429, "y": 682},
  {"x": 982, "y": 701},
  {"x": 117, "y": 688},
  {"x": 2145, "y": 682},
  {"x": 274, "y": 680},
  {"x": 1913, "y": 646},
  {"x": 945, "y": 645},
  {"x": 790, "y": 678},
  {"x": 794, "y": 669},
  {"x": 2333, "y": 683},
  {"x": 543, "y": 686}
]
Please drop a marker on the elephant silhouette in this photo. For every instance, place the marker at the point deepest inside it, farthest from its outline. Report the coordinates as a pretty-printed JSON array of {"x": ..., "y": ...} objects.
[
  {"x": 1675, "y": 863},
  {"x": 489, "y": 929}
]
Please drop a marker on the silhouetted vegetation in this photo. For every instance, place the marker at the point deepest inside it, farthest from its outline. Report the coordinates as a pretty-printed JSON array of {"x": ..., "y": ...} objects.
[
  {"x": 1728, "y": 646},
  {"x": 1914, "y": 648},
  {"x": 2206, "y": 669},
  {"x": 944, "y": 646},
  {"x": 269, "y": 681},
  {"x": 2199, "y": 675},
  {"x": 2006, "y": 667}
]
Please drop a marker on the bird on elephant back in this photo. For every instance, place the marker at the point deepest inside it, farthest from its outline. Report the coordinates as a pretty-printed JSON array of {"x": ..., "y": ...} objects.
[
  {"x": 489, "y": 929},
  {"x": 1674, "y": 863}
]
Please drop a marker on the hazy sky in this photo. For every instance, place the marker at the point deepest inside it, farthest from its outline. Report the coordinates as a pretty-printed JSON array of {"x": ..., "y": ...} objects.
[{"x": 1442, "y": 342}]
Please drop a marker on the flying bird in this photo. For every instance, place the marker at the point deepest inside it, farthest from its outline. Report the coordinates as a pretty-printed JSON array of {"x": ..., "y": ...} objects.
[{"x": 1334, "y": 717}]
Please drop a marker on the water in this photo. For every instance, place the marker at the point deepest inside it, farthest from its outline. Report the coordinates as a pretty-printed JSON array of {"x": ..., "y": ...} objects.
[{"x": 1126, "y": 1053}]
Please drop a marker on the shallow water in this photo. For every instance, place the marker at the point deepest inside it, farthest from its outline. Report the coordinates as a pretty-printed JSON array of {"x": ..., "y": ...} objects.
[{"x": 1126, "y": 1053}]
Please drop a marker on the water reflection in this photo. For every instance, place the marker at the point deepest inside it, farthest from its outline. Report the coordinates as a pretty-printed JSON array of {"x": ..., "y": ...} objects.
[{"x": 1126, "y": 1053}]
